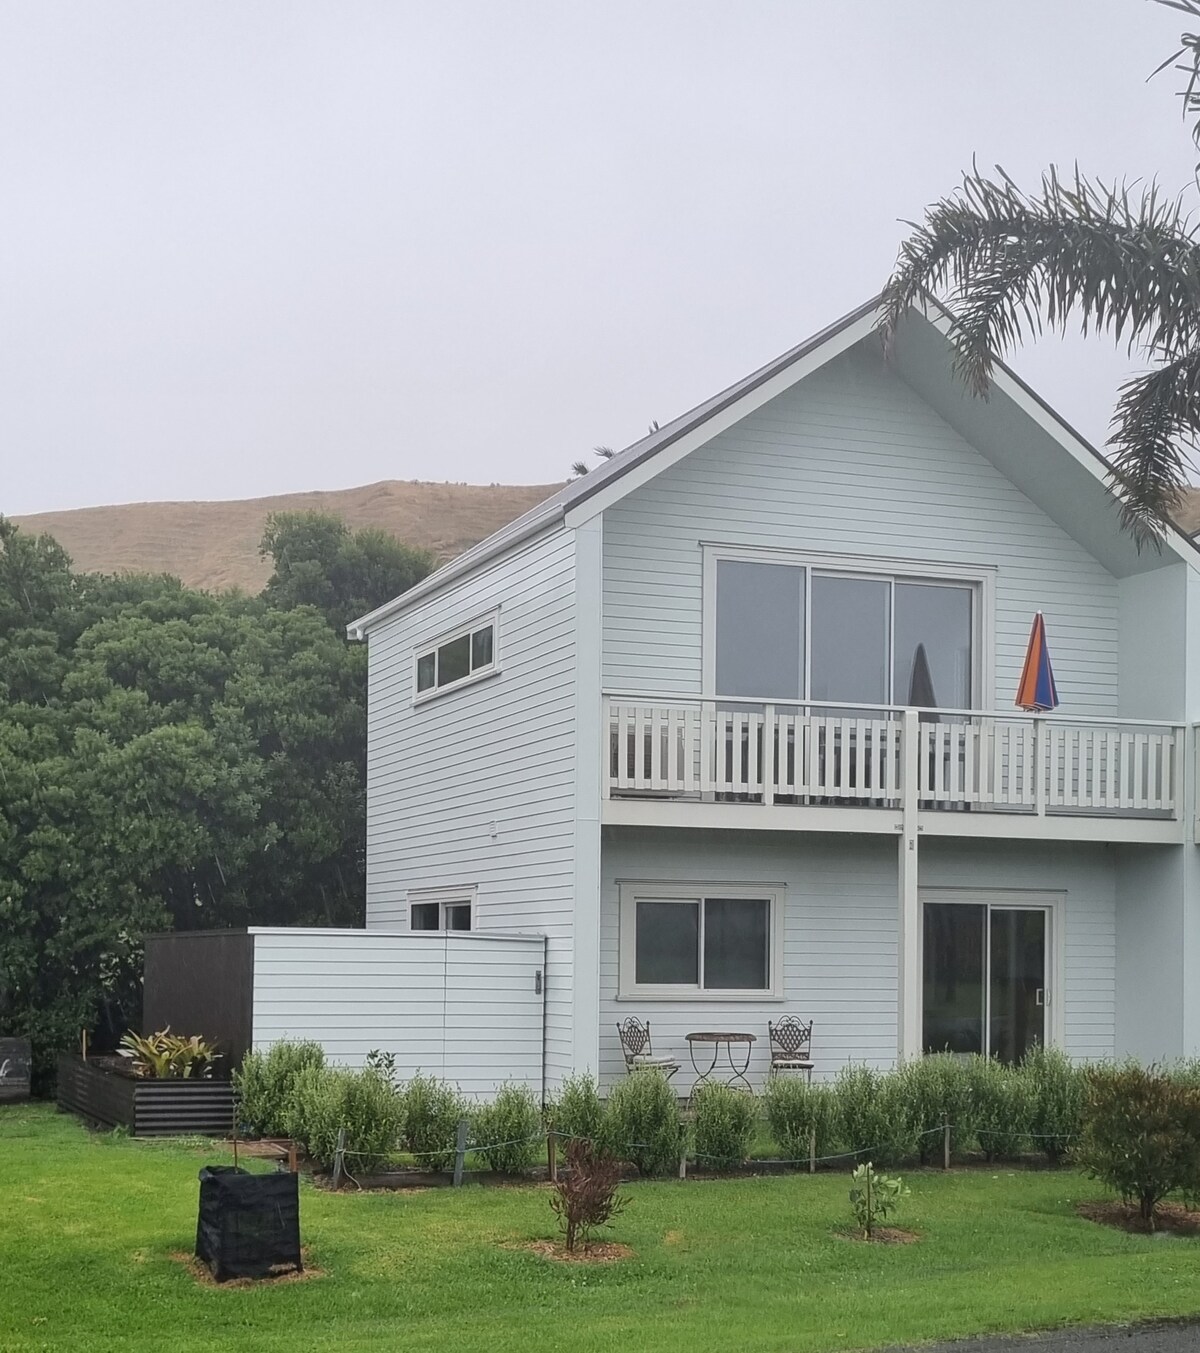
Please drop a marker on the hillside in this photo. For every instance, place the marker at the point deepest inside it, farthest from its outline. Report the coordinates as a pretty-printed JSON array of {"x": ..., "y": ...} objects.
[{"x": 215, "y": 544}]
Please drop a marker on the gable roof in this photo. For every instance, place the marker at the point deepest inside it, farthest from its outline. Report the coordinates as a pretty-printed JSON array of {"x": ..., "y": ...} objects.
[{"x": 586, "y": 496}]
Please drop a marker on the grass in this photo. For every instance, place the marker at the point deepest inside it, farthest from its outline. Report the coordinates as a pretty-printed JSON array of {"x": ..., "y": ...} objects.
[{"x": 88, "y": 1224}]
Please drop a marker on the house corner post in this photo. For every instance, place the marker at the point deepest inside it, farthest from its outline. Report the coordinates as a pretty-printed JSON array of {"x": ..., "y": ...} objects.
[{"x": 908, "y": 1030}]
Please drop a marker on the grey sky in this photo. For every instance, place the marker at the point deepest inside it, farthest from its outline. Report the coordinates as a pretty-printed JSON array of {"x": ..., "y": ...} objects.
[{"x": 254, "y": 247}]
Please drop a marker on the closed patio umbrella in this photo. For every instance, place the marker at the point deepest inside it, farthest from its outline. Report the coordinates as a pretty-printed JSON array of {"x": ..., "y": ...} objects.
[
  {"x": 1036, "y": 691},
  {"x": 920, "y": 684}
]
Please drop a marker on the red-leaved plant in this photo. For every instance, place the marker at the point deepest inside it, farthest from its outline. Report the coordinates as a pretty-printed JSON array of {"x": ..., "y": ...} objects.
[{"x": 585, "y": 1193}]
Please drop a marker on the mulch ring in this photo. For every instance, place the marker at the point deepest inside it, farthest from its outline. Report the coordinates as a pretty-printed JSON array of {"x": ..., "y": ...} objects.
[
  {"x": 200, "y": 1271},
  {"x": 595, "y": 1252},
  {"x": 1171, "y": 1218},
  {"x": 882, "y": 1235}
]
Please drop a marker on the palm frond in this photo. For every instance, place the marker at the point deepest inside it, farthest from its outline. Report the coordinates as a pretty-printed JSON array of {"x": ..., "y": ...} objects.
[
  {"x": 1155, "y": 435},
  {"x": 578, "y": 467},
  {"x": 1010, "y": 264}
]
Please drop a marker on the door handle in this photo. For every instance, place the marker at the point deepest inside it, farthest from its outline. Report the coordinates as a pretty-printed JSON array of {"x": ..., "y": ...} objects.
[{"x": 1039, "y": 996}]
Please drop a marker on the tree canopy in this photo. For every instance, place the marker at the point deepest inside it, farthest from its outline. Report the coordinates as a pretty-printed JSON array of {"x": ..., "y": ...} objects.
[{"x": 174, "y": 759}]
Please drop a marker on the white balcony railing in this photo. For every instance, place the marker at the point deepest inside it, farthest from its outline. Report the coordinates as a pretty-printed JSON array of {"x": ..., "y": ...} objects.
[{"x": 823, "y": 753}]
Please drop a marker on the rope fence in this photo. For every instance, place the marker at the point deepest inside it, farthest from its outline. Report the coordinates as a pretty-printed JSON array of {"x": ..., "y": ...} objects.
[{"x": 463, "y": 1146}]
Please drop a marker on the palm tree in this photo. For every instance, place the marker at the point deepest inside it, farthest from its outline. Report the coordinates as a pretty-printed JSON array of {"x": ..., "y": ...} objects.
[
  {"x": 581, "y": 466},
  {"x": 1116, "y": 259}
]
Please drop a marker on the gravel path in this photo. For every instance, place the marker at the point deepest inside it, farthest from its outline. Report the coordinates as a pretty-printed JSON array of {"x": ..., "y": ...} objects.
[{"x": 1173, "y": 1337}]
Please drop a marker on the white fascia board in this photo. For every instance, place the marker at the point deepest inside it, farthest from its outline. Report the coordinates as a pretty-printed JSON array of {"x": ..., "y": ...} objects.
[
  {"x": 501, "y": 543},
  {"x": 654, "y": 465}
]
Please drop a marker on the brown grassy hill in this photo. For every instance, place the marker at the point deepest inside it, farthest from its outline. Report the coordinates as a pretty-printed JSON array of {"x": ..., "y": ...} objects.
[{"x": 215, "y": 545}]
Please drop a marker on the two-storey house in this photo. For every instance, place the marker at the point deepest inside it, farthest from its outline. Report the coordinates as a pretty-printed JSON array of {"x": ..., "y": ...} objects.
[{"x": 730, "y": 722}]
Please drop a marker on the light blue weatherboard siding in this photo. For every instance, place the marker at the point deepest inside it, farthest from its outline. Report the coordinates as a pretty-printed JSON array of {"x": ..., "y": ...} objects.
[{"x": 851, "y": 461}]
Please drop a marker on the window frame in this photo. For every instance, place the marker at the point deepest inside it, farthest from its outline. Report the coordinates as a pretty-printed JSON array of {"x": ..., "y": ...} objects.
[
  {"x": 631, "y": 893},
  {"x": 980, "y": 578},
  {"x": 432, "y": 645},
  {"x": 442, "y": 898}
]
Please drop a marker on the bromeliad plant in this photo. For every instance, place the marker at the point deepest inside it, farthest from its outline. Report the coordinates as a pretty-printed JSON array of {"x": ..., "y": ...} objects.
[
  {"x": 168, "y": 1056},
  {"x": 874, "y": 1197}
]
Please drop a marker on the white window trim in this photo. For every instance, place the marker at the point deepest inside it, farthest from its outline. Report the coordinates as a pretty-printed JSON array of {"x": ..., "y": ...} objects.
[
  {"x": 981, "y": 577},
  {"x": 1052, "y": 902},
  {"x": 430, "y": 645},
  {"x": 444, "y": 897},
  {"x": 634, "y": 892}
]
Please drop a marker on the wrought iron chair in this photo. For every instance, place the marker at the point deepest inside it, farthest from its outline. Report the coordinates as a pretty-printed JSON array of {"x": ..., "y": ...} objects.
[
  {"x": 791, "y": 1046},
  {"x": 638, "y": 1049}
]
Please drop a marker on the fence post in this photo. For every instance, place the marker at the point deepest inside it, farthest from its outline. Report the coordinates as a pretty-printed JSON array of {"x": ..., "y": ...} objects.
[
  {"x": 339, "y": 1152},
  {"x": 552, "y": 1156},
  {"x": 460, "y": 1150},
  {"x": 945, "y": 1143},
  {"x": 683, "y": 1160},
  {"x": 812, "y": 1153}
]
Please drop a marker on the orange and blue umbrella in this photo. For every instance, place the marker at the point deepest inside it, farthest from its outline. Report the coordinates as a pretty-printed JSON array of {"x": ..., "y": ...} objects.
[{"x": 1036, "y": 691}]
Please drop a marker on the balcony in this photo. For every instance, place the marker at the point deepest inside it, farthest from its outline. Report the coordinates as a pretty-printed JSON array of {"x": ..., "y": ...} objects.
[{"x": 826, "y": 767}]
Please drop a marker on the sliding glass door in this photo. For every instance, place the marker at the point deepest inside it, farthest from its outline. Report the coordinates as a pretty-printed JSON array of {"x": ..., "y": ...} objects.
[
  {"x": 794, "y": 632},
  {"x": 985, "y": 981}
]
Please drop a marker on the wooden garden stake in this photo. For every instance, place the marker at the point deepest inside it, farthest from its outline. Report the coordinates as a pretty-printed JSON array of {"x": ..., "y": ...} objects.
[
  {"x": 552, "y": 1156},
  {"x": 338, "y": 1157},
  {"x": 460, "y": 1150},
  {"x": 812, "y": 1153},
  {"x": 946, "y": 1144}
]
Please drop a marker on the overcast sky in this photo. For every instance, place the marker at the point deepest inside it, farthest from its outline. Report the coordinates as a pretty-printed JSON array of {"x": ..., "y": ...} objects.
[{"x": 251, "y": 247}]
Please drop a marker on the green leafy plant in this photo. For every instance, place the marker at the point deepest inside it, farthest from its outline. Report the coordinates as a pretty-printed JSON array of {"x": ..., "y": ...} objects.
[
  {"x": 798, "y": 1113},
  {"x": 1002, "y": 1104},
  {"x": 432, "y": 1110},
  {"x": 585, "y": 1194},
  {"x": 508, "y": 1130},
  {"x": 874, "y": 1197},
  {"x": 1141, "y": 1134},
  {"x": 168, "y": 1056},
  {"x": 325, "y": 1101},
  {"x": 1057, "y": 1090},
  {"x": 264, "y": 1084},
  {"x": 641, "y": 1123},
  {"x": 932, "y": 1091},
  {"x": 577, "y": 1111},
  {"x": 724, "y": 1126},
  {"x": 871, "y": 1118},
  {"x": 383, "y": 1063}
]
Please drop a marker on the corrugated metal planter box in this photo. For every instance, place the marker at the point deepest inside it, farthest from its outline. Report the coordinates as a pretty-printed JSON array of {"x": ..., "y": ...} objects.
[
  {"x": 15, "y": 1060},
  {"x": 148, "y": 1108}
]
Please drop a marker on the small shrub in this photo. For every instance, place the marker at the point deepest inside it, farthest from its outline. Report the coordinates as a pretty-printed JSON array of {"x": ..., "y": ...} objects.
[
  {"x": 641, "y": 1123},
  {"x": 1141, "y": 1134},
  {"x": 325, "y": 1100},
  {"x": 1002, "y": 1108},
  {"x": 931, "y": 1091},
  {"x": 1056, "y": 1089},
  {"x": 432, "y": 1110},
  {"x": 724, "y": 1127},
  {"x": 874, "y": 1197},
  {"x": 508, "y": 1129},
  {"x": 577, "y": 1111},
  {"x": 585, "y": 1193},
  {"x": 871, "y": 1119},
  {"x": 797, "y": 1111},
  {"x": 264, "y": 1084},
  {"x": 383, "y": 1063}
]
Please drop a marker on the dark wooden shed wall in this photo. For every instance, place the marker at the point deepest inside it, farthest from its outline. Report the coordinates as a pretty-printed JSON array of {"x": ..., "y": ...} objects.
[{"x": 202, "y": 982}]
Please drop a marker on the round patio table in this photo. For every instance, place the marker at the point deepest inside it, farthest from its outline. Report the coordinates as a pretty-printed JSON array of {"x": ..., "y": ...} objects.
[{"x": 712, "y": 1043}]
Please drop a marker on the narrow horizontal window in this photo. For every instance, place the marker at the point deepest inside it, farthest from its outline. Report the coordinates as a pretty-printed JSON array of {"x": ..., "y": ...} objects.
[
  {"x": 450, "y": 912},
  {"x": 457, "y": 659}
]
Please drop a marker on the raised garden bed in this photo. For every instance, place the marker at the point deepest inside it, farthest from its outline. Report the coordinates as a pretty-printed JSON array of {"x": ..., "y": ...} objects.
[{"x": 103, "y": 1091}]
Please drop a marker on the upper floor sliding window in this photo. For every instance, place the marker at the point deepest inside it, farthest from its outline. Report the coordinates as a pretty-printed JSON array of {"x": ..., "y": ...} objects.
[
  {"x": 785, "y": 630},
  {"x": 456, "y": 659}
]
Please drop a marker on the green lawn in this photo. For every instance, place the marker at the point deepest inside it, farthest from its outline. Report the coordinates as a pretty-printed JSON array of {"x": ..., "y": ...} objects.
[{"x": 88, "y": 1224}]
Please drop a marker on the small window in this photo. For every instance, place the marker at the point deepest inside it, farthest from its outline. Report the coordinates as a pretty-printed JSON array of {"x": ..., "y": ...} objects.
[
  {"x": 680, "y": 941},
  {"x": 469, "y": 654},
  {"x": 449, "y": 911}
]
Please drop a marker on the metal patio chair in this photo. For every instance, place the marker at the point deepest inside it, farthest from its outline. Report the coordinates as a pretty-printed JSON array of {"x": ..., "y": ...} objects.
[
  {"x": 791, "y": 1046},
  {"x": 638, "y": 1050}
]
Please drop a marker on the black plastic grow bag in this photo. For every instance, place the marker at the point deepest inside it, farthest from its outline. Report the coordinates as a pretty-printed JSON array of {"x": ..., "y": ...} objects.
[{"x": 249, "y": 1224}]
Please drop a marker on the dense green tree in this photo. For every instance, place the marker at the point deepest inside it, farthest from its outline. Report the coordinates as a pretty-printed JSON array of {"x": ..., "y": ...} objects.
[
  {"x": 171, "y": 758},
  {"x": 320, "y": 562},
  {"x": 1009, "y": 262}
]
